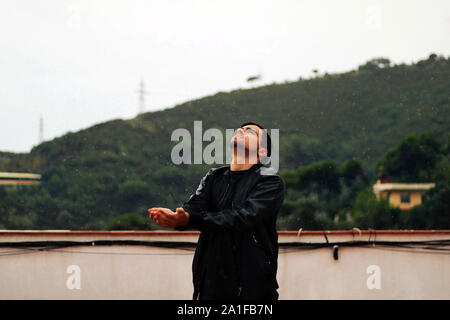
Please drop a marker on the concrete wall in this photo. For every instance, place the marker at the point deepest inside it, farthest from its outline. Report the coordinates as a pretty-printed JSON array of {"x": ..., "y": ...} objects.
[{"x": 141, "y": 272}]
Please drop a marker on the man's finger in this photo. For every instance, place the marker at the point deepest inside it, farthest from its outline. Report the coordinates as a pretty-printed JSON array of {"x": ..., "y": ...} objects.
[
  {"x": 163, "y": 212},
  {"x": 155, "y": 215},
  {"x": 161, "y": 223},
  {"x": 166, "y": 211},
  {"x": 155, "y": 209},
  {"x": 160, "y": 216},
  {"x": 180, "y": 212},
  {"x": 164, "y": 219},
  {"x": 152, "y": 212}
]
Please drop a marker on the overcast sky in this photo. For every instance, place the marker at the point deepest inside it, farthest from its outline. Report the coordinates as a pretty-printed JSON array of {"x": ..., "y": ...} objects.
[{"x": 78, "y": 63}]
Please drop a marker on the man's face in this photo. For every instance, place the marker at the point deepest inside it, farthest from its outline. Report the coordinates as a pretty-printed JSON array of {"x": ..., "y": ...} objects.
[{"x": 247, "y": 138}]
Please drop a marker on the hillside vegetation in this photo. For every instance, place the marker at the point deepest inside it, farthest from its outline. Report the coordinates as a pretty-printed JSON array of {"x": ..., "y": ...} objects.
[{"x": 113, "y": 171}]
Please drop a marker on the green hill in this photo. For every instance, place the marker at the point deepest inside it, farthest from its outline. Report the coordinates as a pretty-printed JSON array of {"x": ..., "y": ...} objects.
[{"x": 123, "y": 166}]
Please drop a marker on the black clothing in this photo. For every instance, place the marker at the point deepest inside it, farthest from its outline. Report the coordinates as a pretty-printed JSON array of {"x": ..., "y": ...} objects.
[{"x": 237, "y": 251}]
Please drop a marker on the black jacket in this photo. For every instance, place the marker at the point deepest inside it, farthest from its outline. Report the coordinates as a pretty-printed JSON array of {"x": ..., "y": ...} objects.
[{"x": 237, "y": 251}]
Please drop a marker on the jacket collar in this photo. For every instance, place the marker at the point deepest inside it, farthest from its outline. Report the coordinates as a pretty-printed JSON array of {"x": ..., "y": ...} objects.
[{"x": 253, "y": 168}]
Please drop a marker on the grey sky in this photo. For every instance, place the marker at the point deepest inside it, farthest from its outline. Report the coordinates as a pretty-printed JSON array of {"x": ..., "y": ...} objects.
[{"x": 78, "y": 63}]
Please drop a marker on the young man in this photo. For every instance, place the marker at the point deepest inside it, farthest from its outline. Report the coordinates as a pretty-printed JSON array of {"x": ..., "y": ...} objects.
[{"x": 235, "y": 207}]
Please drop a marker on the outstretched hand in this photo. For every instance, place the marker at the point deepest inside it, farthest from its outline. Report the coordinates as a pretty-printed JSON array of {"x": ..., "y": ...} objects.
[{"x": 167, "y": 218}]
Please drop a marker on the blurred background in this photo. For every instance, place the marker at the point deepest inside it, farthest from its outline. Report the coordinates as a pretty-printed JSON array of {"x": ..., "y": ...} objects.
[{"x": 90, "y": 93}]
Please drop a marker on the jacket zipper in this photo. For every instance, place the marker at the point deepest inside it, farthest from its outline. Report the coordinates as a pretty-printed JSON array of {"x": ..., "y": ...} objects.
[
  {"x": 225, "y": 193},
  {"x": 226, "y": 190},
  {"x": 263, "y": 249},
  {"x": 239, "y": 291}
]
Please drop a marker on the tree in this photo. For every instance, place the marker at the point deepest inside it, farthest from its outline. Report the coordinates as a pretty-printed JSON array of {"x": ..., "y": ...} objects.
[
  {"x": 304, "y": 213},
  {"x": 434, "y": 212},
  {"x": 335, "y": 189},
  {"x": 412, "y": 160},
  {"x": 320, "y": 177},
  {"x": 446, "y": 147},
  {"x": 375, "y": 64},
  {"x": 298, "y": 151},
  {"x": 351, "y": 170},
  {"x": 129, "y": 221},
  {"x": 133, "y": 194},
  {"x": 370, "y": 212}
]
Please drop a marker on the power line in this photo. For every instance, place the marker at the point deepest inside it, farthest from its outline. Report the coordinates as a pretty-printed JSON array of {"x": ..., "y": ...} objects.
[
  {"x": 142, "y": 92},
  {"x": 431, "y": 247}
]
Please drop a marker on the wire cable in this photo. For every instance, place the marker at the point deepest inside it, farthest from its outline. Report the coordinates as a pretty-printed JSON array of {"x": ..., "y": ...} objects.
[{"x": 430, "y": 246}]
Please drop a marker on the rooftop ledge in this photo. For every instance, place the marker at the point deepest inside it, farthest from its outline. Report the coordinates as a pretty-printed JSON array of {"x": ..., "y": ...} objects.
[
  {"x": 180, "y": 233},
  {"x": 130, "y": 237},
  {"x": 388, "y": 186}
]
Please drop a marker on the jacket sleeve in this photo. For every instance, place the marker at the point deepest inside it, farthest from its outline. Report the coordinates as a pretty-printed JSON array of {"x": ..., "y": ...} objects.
[
  {"x": 263, "y": 203},
  {"x": 198, "y": 202}
]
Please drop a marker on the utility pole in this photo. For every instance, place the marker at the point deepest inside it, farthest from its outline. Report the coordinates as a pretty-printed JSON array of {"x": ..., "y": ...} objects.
[
  {"x": 41, "y": 129},
  {"x": 142, "y": 94}
]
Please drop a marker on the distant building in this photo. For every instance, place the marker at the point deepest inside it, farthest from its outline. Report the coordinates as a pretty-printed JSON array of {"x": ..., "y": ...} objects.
[
  {"x": 19, "y": 179},
  {"x": 403, "y": 195}
]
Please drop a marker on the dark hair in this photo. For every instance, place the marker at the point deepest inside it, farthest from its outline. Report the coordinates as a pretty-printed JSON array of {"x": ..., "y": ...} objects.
[{"x": 265, "y": 139}]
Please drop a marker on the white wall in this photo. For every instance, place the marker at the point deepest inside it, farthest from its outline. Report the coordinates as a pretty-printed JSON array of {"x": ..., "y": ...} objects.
[{"x": 143, "y": 272}]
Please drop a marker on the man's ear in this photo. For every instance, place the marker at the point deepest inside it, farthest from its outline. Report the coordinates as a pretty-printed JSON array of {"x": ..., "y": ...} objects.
[
  {"x": 263, "y": 158},
  {"x": 262, "y": 152}
]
